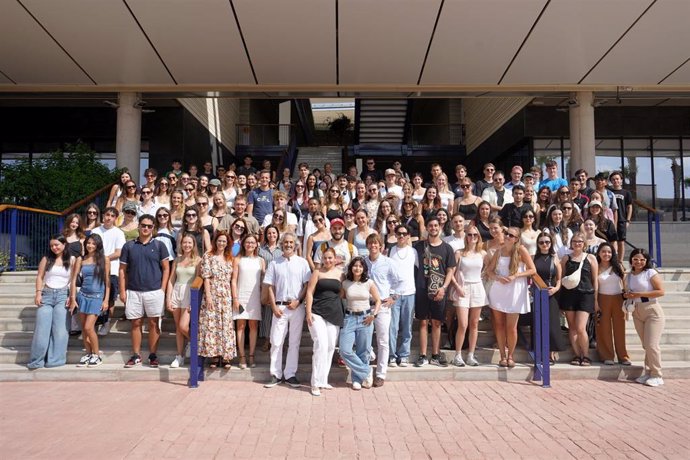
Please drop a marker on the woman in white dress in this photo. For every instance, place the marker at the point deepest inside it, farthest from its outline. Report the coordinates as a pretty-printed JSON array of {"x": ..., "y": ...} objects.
[
  {"x": 509, "y": 268},
  {"x": 247, "y": 272}
]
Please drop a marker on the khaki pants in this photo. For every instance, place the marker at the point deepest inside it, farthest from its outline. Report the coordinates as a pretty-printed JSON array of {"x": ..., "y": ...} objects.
[
  {"x": 649, "y": 323},
  {"x": 611, "y": 328}
]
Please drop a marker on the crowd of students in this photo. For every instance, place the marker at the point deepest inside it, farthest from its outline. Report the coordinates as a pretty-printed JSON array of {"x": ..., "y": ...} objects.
[{"x": 352, "y": 254}]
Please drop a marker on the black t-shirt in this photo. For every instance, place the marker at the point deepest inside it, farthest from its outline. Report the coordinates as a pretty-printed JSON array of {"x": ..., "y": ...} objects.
[
  {"x": 246, "y": 170},
  {"x": 375, "y": 173},
  {"x": 434, "y": 262},
  {"x": 511, "y": 214},
  {"x": 623, "y": 200}
]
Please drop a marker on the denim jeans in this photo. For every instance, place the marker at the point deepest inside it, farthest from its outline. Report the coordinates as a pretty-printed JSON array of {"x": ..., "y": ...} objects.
[
  {"x": 355, "y": 333},
  {"x": 401, "y": 320},
  {"x": 49, "y": 345}
]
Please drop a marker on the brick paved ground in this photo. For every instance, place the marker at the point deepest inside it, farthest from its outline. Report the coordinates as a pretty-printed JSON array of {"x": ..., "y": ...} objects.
[{"x": 575, "y": 419}]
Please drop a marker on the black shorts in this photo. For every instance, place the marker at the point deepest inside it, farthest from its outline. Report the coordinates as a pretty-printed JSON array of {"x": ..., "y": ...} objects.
[
  {"x": 574, "y": 300},
  {"x": 425, "y": 308},
  {"x": 621, "y": 231},
  {"x": 114, "y": 289}
]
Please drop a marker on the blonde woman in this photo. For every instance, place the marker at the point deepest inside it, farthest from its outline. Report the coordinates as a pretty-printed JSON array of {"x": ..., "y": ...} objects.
[
  {"x": 230, "y": 188},
  {"x": 162, "y": 193},
  {"x": 509, "y": 268},
  {"x": 446, "y": 194},
  {"x": 177, "y": 210},
  {"x": 358, "y": 236},
  {"x": 179, "y": 298}
]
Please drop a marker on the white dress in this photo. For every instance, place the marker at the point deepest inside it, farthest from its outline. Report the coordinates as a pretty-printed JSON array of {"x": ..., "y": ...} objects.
[
  {"x": 249, "y": 288},
  {"x": 511, "y": 297}
]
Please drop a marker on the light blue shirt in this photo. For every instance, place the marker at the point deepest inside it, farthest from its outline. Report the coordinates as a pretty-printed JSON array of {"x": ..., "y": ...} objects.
[
  {"x": 383, "y": 273},
  {"x": 554, "y": 184}
]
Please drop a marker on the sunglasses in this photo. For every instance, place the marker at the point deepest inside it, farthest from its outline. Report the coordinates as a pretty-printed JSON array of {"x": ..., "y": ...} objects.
[
  {"x": 567, "y": 208},
  {"x": 146, "y": 225},
  {"x": 279, "y": 217},
  {"x": 577, "y": 241},
  {"x": 239, "y": 227},
  {"x": 299, "y": 186},
  {"x": 92, "y": 212},
  {"x": 401, "y": 234},
  {"x": 465, "y": 186},
  {"x": 163, "y": 184},
  {"x": 391, "y": 222},
  {"x": 146, "y": 192},
  {"x": 564, "y": 192},
  {"x": 509, "y": 235},
  {"x": 191, "y": 215},
  {"x": 150, "y": 175},
  {"x": 473, "y": 235},
  {"x": 131, "y": 212},
  {"x": 529, "y": 216},
  {"x": 163, "y": 216},
  {"x": 544, "y": 242},
  {"x": 202, "y": 203},
  {"x": 189, "y": 189},
  {"x": 131, "y": 186},
  {"x": 230, "y": 177}
]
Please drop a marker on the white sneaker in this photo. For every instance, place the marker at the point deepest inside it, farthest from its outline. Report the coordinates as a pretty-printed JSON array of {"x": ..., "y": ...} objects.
[
  {"x": 458, "y": 361},
  {"x": 84, "y": 360},
  {"x": 186, "y": 350},
  {"x": 654, "y": 382},
  {"x": 472, "y": 361},
  {"x": 327, "y": 386},
  {"x": 404, "y": 362},
  {"x": 105, "y": 328},
  {"x": 392, "y": 363},
  {"x": 95, "y": 361},
  {"x": 315, "y": 391},
  {"x": 177, "y": 362},
  {"x": 369, "y": 381},
  {"x": 356, "y": 386},
  {"x": 643, "y": 379},
  {"x": 372, "y": 356}
]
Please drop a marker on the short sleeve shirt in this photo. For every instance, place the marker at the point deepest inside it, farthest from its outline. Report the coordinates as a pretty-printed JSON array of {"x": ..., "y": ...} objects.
[
  {"x": 287, "y": 276},
  {"x": 262, "y": 201},
  {"x": 144, "y": 272},
  {"x": 431, "y": 274}
]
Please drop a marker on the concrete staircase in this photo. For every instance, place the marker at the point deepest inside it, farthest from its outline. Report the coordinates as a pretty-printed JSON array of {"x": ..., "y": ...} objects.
[
  {"x": 17, "y": 320},
  {"x": 675, "y": 250},
  {"x": 316, "y": 157}
]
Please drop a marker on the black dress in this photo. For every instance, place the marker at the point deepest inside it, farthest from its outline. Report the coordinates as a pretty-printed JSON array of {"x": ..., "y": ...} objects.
[
  {"x": 75, "y": 249},
  {"x": 327, "y": 302},
  {"x": 546, "y": 268},
  {"x": 582, "y": 297},
  {"x": 468, "y": 211}
]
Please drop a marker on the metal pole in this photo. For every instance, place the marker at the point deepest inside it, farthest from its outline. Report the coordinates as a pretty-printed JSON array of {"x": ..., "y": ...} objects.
[
  {"x": 538, "y": 359},
  {"x": 13, "y": 240},
  {"x": 650, "y": 236},
  {"x": 196, "y": 365},
  {"x": 545, "y": 345}
]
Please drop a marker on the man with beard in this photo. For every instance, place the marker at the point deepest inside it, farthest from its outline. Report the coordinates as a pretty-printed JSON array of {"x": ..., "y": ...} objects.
[{"x": 344, "y": 251}]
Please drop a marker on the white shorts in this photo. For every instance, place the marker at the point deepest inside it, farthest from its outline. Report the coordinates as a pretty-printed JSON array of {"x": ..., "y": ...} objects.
[
  {"x": 475, "y": 296},
  {"x": 181, "y": 296},
  {"x": 140, "y": 302}
]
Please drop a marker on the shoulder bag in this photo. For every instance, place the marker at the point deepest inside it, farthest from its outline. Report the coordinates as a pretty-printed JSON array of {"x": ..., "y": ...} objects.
[{"x": 571, "y": 281}]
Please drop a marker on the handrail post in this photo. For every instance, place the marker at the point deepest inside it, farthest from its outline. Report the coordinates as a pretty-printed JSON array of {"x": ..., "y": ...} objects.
[
  {"x": 196, "y": 365},
  {"x": 538, "y": 358},
  {"x": 544, "y": 344},
  {"x": 657, "y": 227},
  {"x": 13, "y": 240},
  {"x": 540, "y": 325}
]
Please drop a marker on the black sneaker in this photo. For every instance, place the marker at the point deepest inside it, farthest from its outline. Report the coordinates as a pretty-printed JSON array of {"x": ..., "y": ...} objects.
[
  {"x": 135, "y": 360},
  {"x": 293, "y": 382},
  {"x": 153, "y": 360},
  {"x": 273, "y": 382},
  {"x": 421, "y": 361},
  {"x": 439, "y": 360}
]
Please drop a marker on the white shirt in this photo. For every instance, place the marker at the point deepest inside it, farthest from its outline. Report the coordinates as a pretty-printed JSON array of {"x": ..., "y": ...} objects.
[
  {"x": 287, "y": 276},
  {"x": 455, "y": 242},
  {"x": 113, "y": 239},
  {"x": 344, "y": 252},
  {"x": 642, "y": 282},
  {"x": 151, "y": 209},
  {"x": 384, "y": 274},
  {"x": 609, "y": 282},
  {"x": 291, "y": 219},
  {"x": 404, "y": 260}
]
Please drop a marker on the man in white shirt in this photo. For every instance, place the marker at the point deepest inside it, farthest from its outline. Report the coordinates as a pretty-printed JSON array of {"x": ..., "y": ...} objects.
[
  {"x": 392, "y": 189},
  {"x": 515, "y": 177},
  {"x": 385, "y": 275},
  {"x": 497, "y": 195},
  {"x": 457, "y": 238},
  {"x": 286, "y": 278},
  {"x": 113, "y": 240},
  {"x": 403, "y": 256}
]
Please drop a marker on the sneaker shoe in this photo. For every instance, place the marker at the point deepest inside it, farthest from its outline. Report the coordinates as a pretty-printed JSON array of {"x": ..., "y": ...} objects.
[
  {"x": 458, "y": 361},
  {"x": 392, "y": 363},
  {"x": 643, "y": 379},
  {"x": 625, "y": 362},
  {"x": 421, "y": 361},
  {"x": 378, "y": 382},
  {"x": 609, "y": 362},
  {"x": 369, "y": 381},
  {"x": 95, "y": 361},
  {"x": 372, "y": 356},
  {"x": 153, "y": 360},
  {"x": 176, "y": 362},
  {"x": 105, "y": 328},
  {"x": 472, "y": 361},
  {"x": 135, "y": 360},
  {"x": 356, "y": 386},
  {"x": 327, "y": 386},
  {"x": 187, "y": 351},
  {"x": 293, "y": 382},
  {"x": 404, "y": 362},
  {"x": 84, "y": 360},
  {"x": 315, "y": 391},
  {"x": 273, "y": 382},
  {"x": 439, "y": 360},
  {"x": 654, "y": 382}
]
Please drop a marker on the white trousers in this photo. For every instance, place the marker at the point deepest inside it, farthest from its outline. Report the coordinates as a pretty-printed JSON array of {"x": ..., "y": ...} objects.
[
  {"x": 382, "y": 325},
  {"x": 292, "y": 321},
  {"x": 324, "y": 335}
]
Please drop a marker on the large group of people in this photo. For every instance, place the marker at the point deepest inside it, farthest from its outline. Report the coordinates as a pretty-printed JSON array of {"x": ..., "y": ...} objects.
[{"x": 352, "y": 254}]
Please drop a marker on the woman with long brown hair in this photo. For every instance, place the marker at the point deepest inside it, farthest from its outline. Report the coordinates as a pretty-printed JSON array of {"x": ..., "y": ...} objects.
[
  {"x": 73, "y": 232},
  {"x": 468, "y": 203}
]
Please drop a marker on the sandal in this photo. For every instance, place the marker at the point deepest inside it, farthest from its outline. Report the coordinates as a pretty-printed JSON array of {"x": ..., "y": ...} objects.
[
  {"x": 243, "y": 362},
  {"x": 576, "y": 361},
  {"x": 503, "y": 362},
  {"x": 227, "y": 365},
  {"x": 511, "y": 363},
  {"x": 252, "y": 364},
  {"x": 266, "y": 346},
  {"x": 585, "y": 361},
  {"x": 215, "y": 362}
]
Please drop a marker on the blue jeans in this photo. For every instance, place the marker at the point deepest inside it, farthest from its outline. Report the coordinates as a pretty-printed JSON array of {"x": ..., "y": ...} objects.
[
  {"x": 401, "y": 320},
  {"x": 355, "y": 333},
  {"x": 49, "y": 345}
]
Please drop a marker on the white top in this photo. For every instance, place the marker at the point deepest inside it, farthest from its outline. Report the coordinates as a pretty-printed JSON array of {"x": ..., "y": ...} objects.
[
  {"x": 471, "y": 267},
  {"x": 455, "y": 242},
  {"x": 609, "y": 282},
  {"x": 167, "y": 242},
  {"x": 357, "y": 295},
  {"x": 396, "y": 190},
  {"x": 529, "y": 243},
  {"x": 113, "y": 239},
  {"x": 230, "y": 196},
  {"x": 561, "y": 247},
  {"x": 291, "y": 219},
  {"x": 404, "y": 261},
  {"x": 150, "y": 209},
  {"x": 58, "y": 276},
  {"x": 418, "y": 198},
  {"x": 446, "y": 199},
  {"x": 642, "y": 281},
  {"x": 287, "y": 276}
]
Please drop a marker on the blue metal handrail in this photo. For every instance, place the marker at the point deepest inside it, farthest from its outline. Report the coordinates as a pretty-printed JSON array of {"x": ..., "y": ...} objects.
[
  {"x": 24, "y": 234},
  {"x": 653, "y": 231},
  {"x": 541, "y": 352},
  {"x": 196, "y": 362}
]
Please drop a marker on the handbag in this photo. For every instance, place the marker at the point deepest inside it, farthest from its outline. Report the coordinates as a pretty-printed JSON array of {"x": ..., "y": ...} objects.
[{"x": 571, "y": 281}]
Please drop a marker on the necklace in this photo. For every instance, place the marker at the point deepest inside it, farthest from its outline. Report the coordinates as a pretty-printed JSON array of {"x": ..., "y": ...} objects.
[{"x": 399, "y": 252}]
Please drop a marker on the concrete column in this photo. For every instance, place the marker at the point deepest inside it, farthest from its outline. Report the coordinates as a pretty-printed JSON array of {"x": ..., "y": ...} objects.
[
  {"x": 128, "y": 138},
  {"x": 582, "y": 144}
]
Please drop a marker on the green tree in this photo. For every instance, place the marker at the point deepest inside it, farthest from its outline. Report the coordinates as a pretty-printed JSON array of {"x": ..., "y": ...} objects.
[{"x": 55, "y": 182}]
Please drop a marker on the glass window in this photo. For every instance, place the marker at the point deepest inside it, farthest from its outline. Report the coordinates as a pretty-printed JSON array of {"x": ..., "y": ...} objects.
[
  {"x": 637, "y": 168},
  {"x": 564, "y": 166},
  {"x": 608, "y": 155}
]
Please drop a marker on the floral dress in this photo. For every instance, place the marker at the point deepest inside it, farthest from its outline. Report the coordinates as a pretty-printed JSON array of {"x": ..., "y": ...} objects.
[{"x": 216, "y": 329}]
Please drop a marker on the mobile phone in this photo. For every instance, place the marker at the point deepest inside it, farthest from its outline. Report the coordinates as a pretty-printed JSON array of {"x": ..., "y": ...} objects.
[{"x": 241, "y": 309}]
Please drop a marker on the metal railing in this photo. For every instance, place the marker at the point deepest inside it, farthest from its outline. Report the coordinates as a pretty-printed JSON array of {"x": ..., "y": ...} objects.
[
  {"x": 24, "y": 231},
  {"x": 653, "y": 231},
  {"x": 196, "y": 362},
  {"x": 541, "y": 346}
]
